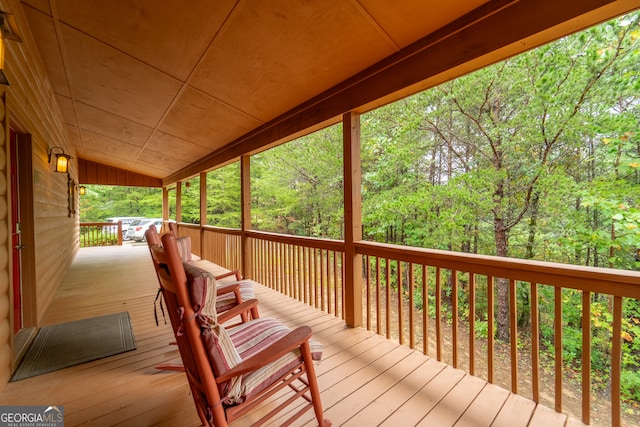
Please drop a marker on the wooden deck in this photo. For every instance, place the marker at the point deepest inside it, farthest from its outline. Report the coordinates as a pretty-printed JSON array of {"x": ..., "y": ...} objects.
[{"x": 365, "y": 379}]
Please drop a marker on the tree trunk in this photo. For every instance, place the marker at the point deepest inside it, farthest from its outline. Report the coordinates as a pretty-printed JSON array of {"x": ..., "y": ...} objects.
[
  {"x": 502, "y": 250},
  {"x": 533, "y": 225},
  {"x": 502, "y": 286}
]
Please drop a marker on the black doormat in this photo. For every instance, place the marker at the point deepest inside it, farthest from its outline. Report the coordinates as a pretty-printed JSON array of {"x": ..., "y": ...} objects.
[{"x": 72, "y": 343}]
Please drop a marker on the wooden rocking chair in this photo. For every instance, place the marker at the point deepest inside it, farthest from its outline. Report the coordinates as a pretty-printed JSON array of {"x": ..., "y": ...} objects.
[
  {"x": 230, "y": 301},
  {"x": 233, "y": 371}
]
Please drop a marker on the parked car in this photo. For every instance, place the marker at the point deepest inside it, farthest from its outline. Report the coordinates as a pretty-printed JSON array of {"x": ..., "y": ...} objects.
[
  {"x": 140, "y": 229},
  {"x": 130, "y": 234},
  {"x": 126, "y": 221}
]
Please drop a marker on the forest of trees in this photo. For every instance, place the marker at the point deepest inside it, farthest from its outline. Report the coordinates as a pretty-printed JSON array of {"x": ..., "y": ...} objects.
[{"x": 536, "y": 157}]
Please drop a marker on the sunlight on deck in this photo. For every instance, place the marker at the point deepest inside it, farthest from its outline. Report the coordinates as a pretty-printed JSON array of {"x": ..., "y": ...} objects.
[{"x": 365, "y": 379}]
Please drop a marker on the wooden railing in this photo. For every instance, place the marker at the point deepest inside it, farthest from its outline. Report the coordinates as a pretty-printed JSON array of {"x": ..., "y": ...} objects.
[
  {"x": 100, "y": 234},
  {"x": 396, "y": 275},
  {"x": 307, "y": 269},
  {"x": 219, "y": 245},
  {"x": 415, "y": 296}
]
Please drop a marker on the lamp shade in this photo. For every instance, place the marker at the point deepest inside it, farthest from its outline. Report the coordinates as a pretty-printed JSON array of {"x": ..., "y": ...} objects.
[
  {"x": 60, "y": 159},
  {"x": 62, "y": 162},
  {"x": 82, "y": 189}
]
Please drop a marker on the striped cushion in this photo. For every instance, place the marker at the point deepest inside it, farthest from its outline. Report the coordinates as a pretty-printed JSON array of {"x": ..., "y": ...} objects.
[
  {"x": 222, "y": 354},
  {"x": 220, "y": 349},
  {"x": 252, "y": 337},
  {"x": 184, "y": 248},
  {"x": 202, "y": 291},
  {"x": 203, "y": 285},
  {"x": 228, "y": 300}
]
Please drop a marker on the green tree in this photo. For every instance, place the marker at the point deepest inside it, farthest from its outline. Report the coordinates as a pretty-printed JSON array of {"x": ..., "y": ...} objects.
[
  {"x": 296, "y": 188},
  {"x": 514, "y": 130}
]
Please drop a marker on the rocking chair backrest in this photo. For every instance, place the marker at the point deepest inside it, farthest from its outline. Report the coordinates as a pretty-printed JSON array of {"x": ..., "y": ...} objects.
[
  {"x": 173, "y": 227},
  {"x": 152, "y": 236}
]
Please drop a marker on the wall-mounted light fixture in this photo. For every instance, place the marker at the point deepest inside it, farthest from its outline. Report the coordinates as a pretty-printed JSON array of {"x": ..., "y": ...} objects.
[
  {"x": 82, "y": 190},
  {"x": 8, "y": 31},
  {"x": 61, "y": 159}
]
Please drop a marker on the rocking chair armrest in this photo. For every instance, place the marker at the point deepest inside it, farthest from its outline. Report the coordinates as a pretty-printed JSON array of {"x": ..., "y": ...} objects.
[
  {"x": 237, "y": 310},
  {"x": 225, "y": 289},
  {"x": 230, "y": 273},
  {"x": 279, "y": 348}
]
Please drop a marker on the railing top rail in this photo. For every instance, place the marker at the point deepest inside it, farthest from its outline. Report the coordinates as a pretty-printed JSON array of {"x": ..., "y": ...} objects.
[
  {"x": 610, "y": 281},
  {"x": 224, "y": 230},
  {"x": 311, "y": 242}
]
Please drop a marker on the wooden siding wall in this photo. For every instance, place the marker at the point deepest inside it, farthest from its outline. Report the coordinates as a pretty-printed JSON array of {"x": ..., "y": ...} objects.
[
  {"x": 5, "y": 283},
  {"x": 31, "y": 108},
  {"x": 96, "y": 173}
]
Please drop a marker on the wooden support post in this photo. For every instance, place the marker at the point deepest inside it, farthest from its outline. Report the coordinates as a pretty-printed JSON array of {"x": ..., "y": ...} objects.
[
  {"x": 203, "y": 198},
  {"x": 179, "y": 201},
  {"x": 165, "y": 204},
  {"x": 352, "y": 218},
  {"x": 245, "y": 197},
  {"x": 203, "y": 209}
]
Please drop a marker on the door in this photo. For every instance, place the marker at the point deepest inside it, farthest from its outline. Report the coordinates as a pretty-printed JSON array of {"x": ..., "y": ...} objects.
[{"x": 16, "y": 235}]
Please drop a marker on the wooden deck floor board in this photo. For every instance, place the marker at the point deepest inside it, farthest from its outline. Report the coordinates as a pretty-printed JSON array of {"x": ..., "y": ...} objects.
[
  {"x": 484, "y": 408},
  {"x": 448, "y": 410},
  {"x": 425, "y": 398},
  {"x": 393, "y": 398},
  {"x": 365, "y": 379}
]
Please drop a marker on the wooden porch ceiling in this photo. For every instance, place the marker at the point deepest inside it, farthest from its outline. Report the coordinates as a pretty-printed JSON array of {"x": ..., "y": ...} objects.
[{"x": 165, "y": 89}]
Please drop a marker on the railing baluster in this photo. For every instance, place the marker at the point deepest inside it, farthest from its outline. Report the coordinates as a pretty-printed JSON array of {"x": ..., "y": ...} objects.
[
  {"x": 616, "y": 366},
  {"x": 454, "y": 317},
  {"x": 425, "y": 309},
  {"x": 400, "y": 304},
  {"x": 293, "y": 271},
  {"x": 314, "y": 269},
  {"x": 342, "y": 285},
  {"x": 321, "y": 278},
  {"x": 378, "y": 316},
  {"x": 367, "y": 294},
  {"x": 438, "y": 315},
  {"x": 284, "y": 271},
  {"x": 535, "y": 344},
  {"x": 412, "y": 329},
  {"x": 282, "y": 285},
  {"x": 558, "y": 347},
  {"x": 335, "y": 283},
  {"x": 586, "y": 357},
  {"x": 490, "y": 327},
  {"x": 307, "y": 276},
  {"x": 513, "y": 327},
  {"x": 472, "y": 323},
  {"x": 388, "y": 295}
]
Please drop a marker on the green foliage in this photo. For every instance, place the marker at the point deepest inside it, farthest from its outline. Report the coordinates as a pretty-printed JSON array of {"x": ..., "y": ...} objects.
[
  {"x": 223, "y": 196},
  {"x": 296, "y": 188}
]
